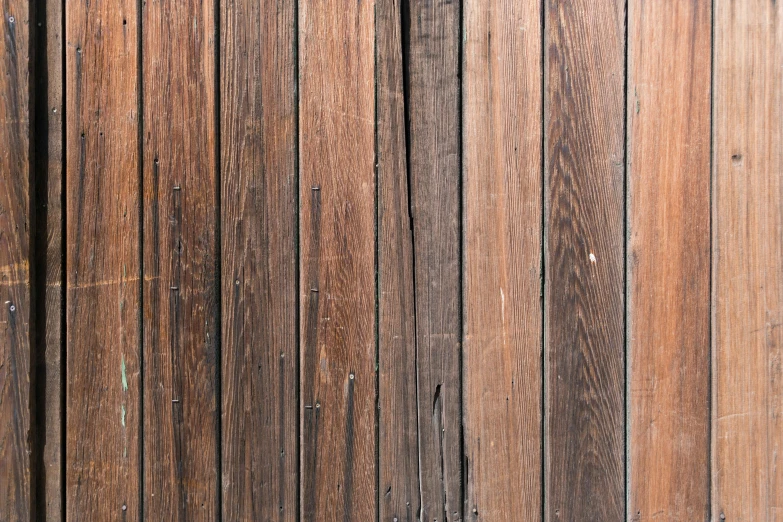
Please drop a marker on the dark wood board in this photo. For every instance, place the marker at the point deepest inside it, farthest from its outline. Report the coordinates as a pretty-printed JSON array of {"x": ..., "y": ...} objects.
[
  {"x": 337, "y": 256},
  {"x": 259, "y": 217},
  {"x": 398, "y": 457},
  {"x": 15, "y": 302},
  {"x": 502, "y": 129},
  {"x": 584, "y": 245},
  {"x": 431, "y": 40},
  {"x": 747, "y": 336},
  {"x": 103, "y": 262},
  {"x": 669, "y": 67},
  {"x": 181, "y": 362}
]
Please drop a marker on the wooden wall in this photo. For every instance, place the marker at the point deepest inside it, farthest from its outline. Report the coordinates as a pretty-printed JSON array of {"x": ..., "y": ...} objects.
[{"x": 394, "y": 260}]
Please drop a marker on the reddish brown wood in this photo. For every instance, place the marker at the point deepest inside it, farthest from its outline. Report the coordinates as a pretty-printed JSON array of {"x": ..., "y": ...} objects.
[
  {"x": 503, "y": 210},
  {"x": 103, "y": 262},
  {"x": 259, "y": 217},
  {"x": 14, "y": 262},
  {"x": 337, "y": 254},
  {"x": 747, "y": 372},
  {"x": 180, "y": 270},
  {"x": 668, "y": 258}
]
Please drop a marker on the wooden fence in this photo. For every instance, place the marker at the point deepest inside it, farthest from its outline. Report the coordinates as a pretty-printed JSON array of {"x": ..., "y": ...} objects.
[{"x": 398, "y": 260}]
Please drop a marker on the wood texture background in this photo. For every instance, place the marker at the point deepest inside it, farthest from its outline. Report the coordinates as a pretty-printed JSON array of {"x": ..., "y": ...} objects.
[{"x": 393, "y": 260}]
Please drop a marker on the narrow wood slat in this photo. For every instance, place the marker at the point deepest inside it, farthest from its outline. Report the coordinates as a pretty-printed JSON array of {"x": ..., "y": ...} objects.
[
  {"x": 337, "y": 289},
  {"x": 103, "y": 262},
  {"x": 51, "y": 115},
  {"x": 433, "y": 109},
  {"x": 584, "y": 301},
  {"x": 503, "y": 206},
  {"x": 180, "y": 270},
  {"x": 259, "y": 217},
  {"x": 398, "y": 456},
  {"x": 669, "y": 258},
  {"x": 747, "y": 481},
  {"x": 15, "y": 310}
]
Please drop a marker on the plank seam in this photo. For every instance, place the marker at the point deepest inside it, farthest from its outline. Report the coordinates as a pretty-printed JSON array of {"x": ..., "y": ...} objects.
[
  {"x": 542, "y": 263},
  {"x": 218, "y": 282},
  {"x": 140, "y": 317},
  {"x": 711, "y": 391},
  {"x": 38, "y": 158},
  {"x": 626, "y": 239},
  {"x": 376, "y": 262}
]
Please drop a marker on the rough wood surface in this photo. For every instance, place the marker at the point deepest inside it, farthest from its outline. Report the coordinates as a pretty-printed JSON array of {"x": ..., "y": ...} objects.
[
  {"x": 180, "y": 272},
  {"x": 503, "y": 205},
  {"x": 669, "y": 259},
  {"x": 51, "y": 117},
  {"x": 432, "y": 44},
  {"x": 337, "y": 253},
  {"x": 14, "y": 262},
  {"x": 398, "y": 457},
  {"x": 259, "y": 217},
  {"x": 747, "y": 481},
  {"x": 103, "y": 262},
  {"x": 584, "y": 326}
]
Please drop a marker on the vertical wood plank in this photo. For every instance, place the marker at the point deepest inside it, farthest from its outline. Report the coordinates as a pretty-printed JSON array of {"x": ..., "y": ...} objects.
[
  {"x": 337, "y": 209},
  {"x": 180, "y": 286},
  {"x": 14, "y": 262},
  {"x": 433, "y": 110},
  {"x": 103, "y": 261},
  {"x": 259, "y": 259},
  {"x": 669, "y": 258},
  {"x": 52, "y": 117},
  {"x": 502, "y": 361},
  {"x": 748, "y": 261},
  {"x": 398, "y": 458},
  {"x": 584, "y": 301}
]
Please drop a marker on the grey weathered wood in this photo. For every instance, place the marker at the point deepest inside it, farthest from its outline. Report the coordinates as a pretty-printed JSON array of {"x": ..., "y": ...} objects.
[
  {"x": 584, "y": 301},
  {"x": 398, "y": 458},
  {"x": 432, "y": 48}
]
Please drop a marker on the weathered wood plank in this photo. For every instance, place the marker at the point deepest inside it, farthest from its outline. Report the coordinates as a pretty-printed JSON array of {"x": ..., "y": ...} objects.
[
  {"x": 432, "y": 42},
  {"x": 398, "y": 457},
  {"x": 748, "y": 262},
  {"x": 103, "y": 262},
  {"x": 50, "y": 228},
  {"x": 503, "y": 210},
  {"x": 337, "y": 209},
  {"x": 259, "y": 258},
  {"x": 180, "y": 270},
  {"x": 15, "y": 310},
  {"x": 669, "y": 258},
  {"x": 584, "y": 301}
]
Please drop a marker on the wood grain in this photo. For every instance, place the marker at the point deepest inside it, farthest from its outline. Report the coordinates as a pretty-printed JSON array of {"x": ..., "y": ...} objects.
[
  {"x": 103, "y": 262},
  {"x": 15, "y": 309},
  {"x": 584, "y": 302},
  {"x": 503, "y": 211},
  {"x": 432, "y": 41},
  {"x": 180, "y": 272},
  {"x": 398, "y": 457},
  {"x": 259, "y": 217},
  {"x": 337, "y": 289},
  {"x": 51, "y": 248},
  {"x": 669, "y": 259},
  {"x": 747, "y": 478}
]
